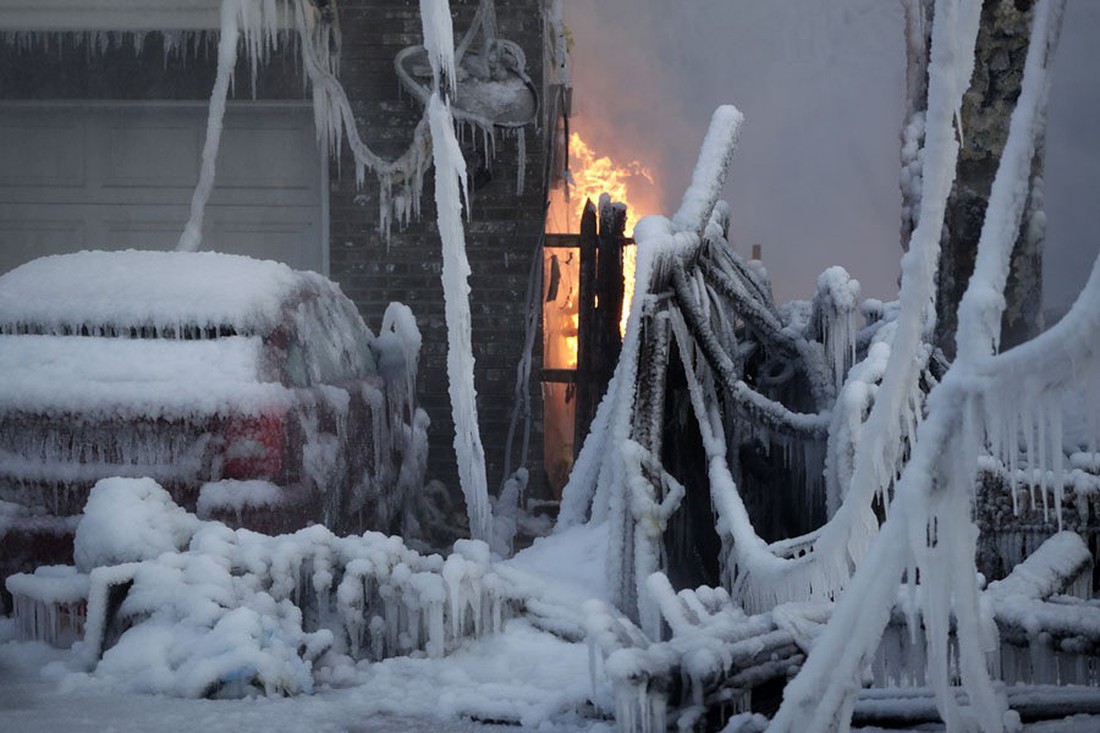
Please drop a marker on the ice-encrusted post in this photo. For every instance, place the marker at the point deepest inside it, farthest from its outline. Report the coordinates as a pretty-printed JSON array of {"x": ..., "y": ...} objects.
[{"x": 450, "y": 191}]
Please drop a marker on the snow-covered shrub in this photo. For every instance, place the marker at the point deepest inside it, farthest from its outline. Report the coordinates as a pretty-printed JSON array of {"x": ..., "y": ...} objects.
[
  {"x": 128, "y": 520},
  {"x": 191, "y": 608}
]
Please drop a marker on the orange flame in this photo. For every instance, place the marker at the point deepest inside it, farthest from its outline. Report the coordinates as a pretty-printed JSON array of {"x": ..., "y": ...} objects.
[{"x": 592, "y": 176}]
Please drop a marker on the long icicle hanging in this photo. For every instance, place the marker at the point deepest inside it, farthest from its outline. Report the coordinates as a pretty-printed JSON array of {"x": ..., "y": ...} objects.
[
  {"x": 231, "y": 12},
  {"x": 450, "y": 190}
]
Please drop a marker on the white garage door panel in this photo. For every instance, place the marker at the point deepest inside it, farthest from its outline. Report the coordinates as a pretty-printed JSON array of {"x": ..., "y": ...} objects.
[
  {"x": 36, "y": 152},
  {"x": 155, "y": 228},
  {"x": 255, "y": 156},
  {"x": 118, "y": 177},
  {"x": 153, "y": 154},
  {"x": 26, "y": 238},
  {"x": 278, "y": 239}
]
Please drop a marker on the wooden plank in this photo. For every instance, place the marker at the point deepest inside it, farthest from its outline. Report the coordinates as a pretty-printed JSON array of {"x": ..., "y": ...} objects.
[{"x": 586, "y": 401}]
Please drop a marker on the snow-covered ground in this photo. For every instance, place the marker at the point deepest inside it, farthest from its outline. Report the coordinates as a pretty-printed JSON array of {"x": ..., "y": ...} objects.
[{"x": 522, "y": 673}]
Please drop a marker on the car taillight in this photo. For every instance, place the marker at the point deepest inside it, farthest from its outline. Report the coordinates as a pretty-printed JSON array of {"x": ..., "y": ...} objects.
[{"x": 254, "y": 446}]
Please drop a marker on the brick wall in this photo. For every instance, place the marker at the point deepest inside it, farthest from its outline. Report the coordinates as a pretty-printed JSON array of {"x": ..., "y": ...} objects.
[{"x": 501, "y": 234}]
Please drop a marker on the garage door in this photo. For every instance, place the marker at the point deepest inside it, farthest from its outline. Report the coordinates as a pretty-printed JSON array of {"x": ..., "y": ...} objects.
[{"x": 121, "y": 176}]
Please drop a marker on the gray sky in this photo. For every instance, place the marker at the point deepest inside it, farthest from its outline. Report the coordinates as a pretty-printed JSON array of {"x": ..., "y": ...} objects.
[{"x": 822, "y": 88}]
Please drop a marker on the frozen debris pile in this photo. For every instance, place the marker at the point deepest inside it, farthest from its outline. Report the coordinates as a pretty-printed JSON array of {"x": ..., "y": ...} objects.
[
  {"x": 694, "y": 293},
  {"x": 184, "y": 607},
  {"x": 903, "y": 432},
  {"x": 1015, "y": 509},
  {"x": 710, "y": 665},
  {"x": 717, "y": 661}
]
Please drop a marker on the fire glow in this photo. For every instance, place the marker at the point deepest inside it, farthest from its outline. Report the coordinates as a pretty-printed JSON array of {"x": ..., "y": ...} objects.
[{"x": 591, "y": 176}]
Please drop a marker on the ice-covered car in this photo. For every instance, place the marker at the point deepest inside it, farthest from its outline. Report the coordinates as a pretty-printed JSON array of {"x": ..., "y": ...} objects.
[{"x": 249, "y": 390}]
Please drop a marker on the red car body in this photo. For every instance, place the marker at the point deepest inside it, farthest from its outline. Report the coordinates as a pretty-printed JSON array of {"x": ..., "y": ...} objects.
[{"x": 249, "y": 390}]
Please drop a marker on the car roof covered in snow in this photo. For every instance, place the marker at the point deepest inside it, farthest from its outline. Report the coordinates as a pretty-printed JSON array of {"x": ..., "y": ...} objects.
[{"x": 168, "y": 292}]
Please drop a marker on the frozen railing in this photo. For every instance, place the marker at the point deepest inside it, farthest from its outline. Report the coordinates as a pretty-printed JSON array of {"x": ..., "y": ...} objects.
[{"x": 1015, "y": 509}]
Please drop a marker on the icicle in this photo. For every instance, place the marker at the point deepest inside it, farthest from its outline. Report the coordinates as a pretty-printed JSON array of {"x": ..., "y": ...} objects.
[
  {"x": 435, "y": 16},
  {"x": 450, "y": 182}
]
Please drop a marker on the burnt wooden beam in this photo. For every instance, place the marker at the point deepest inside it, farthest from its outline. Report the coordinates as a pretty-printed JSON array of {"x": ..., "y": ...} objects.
[
  {"x": 609, "y": 293},
  {"x": 587, "y": 402}
]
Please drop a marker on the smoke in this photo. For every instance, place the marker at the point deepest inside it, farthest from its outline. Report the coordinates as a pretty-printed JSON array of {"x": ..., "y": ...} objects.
[
  {"x": 822, "y": 88},
  {"x": 1072, "y": 173}
]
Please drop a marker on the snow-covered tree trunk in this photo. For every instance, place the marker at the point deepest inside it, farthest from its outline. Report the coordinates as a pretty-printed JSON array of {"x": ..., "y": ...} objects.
[{"x": 1000, "y": 54}]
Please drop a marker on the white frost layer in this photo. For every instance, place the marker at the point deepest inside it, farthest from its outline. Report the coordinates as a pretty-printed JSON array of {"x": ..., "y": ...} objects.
[
  {"x": 237, "y": 496},
  {"x": 157, "y": 378},
  {"x": 142, "y": 289}
]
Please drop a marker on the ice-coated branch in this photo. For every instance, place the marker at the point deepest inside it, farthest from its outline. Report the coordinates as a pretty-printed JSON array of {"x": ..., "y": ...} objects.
[
  {"x": 710, "y": 171},
  {"x": 1055, "y": 356},
  {"x": 763, "y": 322},
  {"x": 735, "y": 266},
  {"x": 760, "y": 409}
]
